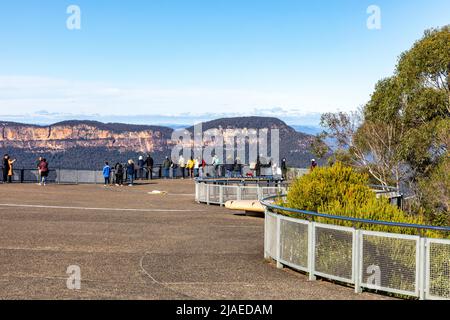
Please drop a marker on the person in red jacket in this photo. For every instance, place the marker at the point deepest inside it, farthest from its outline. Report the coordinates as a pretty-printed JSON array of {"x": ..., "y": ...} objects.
[{"x": 43, "y": 171}]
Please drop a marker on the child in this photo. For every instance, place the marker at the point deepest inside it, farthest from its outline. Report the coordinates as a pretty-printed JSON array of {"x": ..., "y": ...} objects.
[{"x": 107, "y": 173}]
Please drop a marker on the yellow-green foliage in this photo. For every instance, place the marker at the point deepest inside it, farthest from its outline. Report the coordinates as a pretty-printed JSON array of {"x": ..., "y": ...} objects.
[{"x": 340, "y": 190}]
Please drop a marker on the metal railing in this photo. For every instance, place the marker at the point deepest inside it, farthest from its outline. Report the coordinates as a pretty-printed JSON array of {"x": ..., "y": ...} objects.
[
  {"x": 75, "y": 176},
  {"x": 219, "y": 191},
  {"x": 407, "y": 265}
]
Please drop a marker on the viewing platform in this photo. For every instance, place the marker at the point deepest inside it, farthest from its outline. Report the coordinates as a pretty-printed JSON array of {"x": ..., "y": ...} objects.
[{"x": 130, "y": 244}]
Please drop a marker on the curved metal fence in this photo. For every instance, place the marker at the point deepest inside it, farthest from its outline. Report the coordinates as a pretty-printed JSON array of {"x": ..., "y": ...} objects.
[
  {"x": 219, "y": 191},
  {"x": 396, "y": 263}
]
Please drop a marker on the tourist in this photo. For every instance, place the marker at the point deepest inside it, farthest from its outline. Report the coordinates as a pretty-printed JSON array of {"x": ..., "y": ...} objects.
[
  {"x": 118, "y": 168},
  {"x": 313, "y": 164},
  {"x": 182, "y": 165},
  {"x": 43, "y": 171},
  {"x": 39, "y": 178},
  {"x": 202, "y": 167},
  {"x": 166, "y": 167},
  {"x": 107, "y": 173},
  {"x": 5, "y": 168},
  {"x": 216, "y": 165},
  {"x": 141, "y": 165},
  {"x": 130, "y": 172},
  {"x": 196, "y": 167},
  {"x": 229, "y": 166},
  {"x": 284, "y": 169},
  {"x": 149, "y": 164},
  {"x": 190, "y": 167},
  {"x": 10, "y": 169},
  {"x": 237, "y": 169},
  {"x": 258, "y": 167}
]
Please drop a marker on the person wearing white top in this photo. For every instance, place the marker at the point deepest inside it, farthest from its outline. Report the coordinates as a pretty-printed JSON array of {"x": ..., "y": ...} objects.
[{"x": 182, "y": 165}]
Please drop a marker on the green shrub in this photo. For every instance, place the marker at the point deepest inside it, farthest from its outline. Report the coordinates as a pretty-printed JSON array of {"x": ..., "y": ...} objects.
[{"x": 342, "y": 191}]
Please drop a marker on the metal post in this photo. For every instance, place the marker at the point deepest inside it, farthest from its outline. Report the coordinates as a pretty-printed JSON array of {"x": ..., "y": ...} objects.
[
  {"x": 357, "y": 260},
  {"x": 279, "y": 264},
  {"x": 221, "y": 195},
  {"x": 196, "y": 191},
  {"x": 422, "y": 268},
  {"x": 266, "y": 256},
  {"x": 311, "y": 250}
]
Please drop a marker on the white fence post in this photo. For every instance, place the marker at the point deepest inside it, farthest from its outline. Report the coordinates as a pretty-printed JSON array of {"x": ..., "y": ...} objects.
[
  {"x": 422, "y": 268},
  {"x": 279, "y": 265},
  {"x": 266, "y": 256},
  {"x": 207, "y": 194},
  {"x": 311, "y": 250},
  {"x": 196, "y": 191},
  {"x": 221, "y": 195},
  {"x": 357, "y": 260}
]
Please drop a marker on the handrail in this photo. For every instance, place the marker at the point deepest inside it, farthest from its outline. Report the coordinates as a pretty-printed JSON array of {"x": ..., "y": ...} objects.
[{"x": 265, "y": 203}]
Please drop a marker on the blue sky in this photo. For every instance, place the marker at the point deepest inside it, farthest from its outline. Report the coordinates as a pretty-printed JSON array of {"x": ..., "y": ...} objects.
[{"x": 287, "y": 58}]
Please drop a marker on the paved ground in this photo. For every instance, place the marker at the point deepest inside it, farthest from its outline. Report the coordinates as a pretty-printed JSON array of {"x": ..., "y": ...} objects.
[{"x": 132, "y": 245}]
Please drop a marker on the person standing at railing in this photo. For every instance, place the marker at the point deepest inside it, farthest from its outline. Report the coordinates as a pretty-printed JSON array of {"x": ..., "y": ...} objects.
[
  {"x": 10, "y": 169},
  {"x": 229, "y": 165},
  {"x": 182, "y": 165},
  {"x": 5, "y": 168},
  {"x": 196, "y": 167},
  {"x": 149, "y": 165},
  {"x": 43, "y": 171},
  {"x": 141, "y": 164},
  {"x": 107, "y": 173},
  {"x": 130, "y": 172},
  {"x": 118, "y": 168},
  {"x": 39, "y": 177},
  {"x": 166, "y": 167},
  {"x": 190, "y": 167},
  {"x": 216, "y": 165},
  {"x": 284, "y": 169},
  {"x": 237, "y": 168},
  {"x": 201, "y": 169}
]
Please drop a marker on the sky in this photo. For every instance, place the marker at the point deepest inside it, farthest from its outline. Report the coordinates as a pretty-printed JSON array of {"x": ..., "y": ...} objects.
[{"x": 176, "y": 60}]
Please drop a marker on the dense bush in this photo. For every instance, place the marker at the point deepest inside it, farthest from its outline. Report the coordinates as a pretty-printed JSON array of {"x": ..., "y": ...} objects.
[{"x": 341, "y": 190}]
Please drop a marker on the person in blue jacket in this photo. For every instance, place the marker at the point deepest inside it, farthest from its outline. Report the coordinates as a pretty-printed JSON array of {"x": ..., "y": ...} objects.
[
  {"x": 107, "y": 173},
  {"x": 130, "y": 172}
]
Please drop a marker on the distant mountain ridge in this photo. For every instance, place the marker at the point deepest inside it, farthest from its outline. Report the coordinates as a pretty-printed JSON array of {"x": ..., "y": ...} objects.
[{"x": 85, "y": 144}]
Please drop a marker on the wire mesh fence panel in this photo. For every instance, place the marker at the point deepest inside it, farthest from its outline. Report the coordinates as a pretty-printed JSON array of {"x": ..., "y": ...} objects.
[
  {"x": 294, "y": 243},
  {"x": 272, "y": 191},
  {"x": 67, "y": 176},
  {"x": 438, "y": 269},
  {"x": 85, "y": 176},
  {"x": 30, "y": 176},
  {"x": 249, "y": 193},
  {"x": 333, "y": 257},
  {"x": 202, "y": 192},
  {"x": 214, "y": 194},
  {"x": 390, "y": 262},
  {"x": 230, "y": 193},
  {"x": 271, "y": 235}
]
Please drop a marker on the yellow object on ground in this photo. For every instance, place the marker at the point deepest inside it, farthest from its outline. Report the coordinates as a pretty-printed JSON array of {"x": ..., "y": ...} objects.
[
  {"x": 245, "y": 205},
  {"x": 157, "y": 192}
]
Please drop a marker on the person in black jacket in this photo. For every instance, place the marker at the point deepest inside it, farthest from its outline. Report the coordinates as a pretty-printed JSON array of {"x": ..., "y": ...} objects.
[
  {"x": 149, "y": 163},
  {"x": 237, "y": 169},
  {"x": 5, "y": 168},
  {"x": 284, "y": 169},
  {"x": 118, "y": 169}
]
